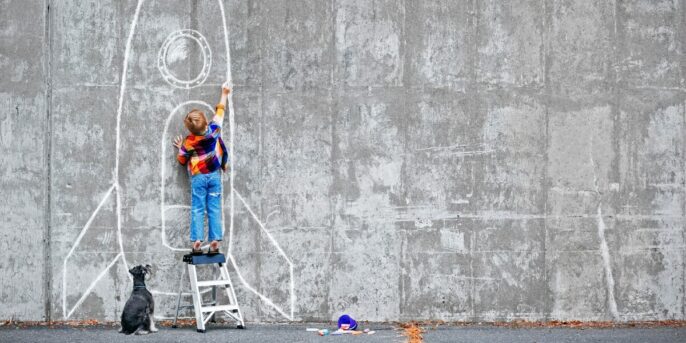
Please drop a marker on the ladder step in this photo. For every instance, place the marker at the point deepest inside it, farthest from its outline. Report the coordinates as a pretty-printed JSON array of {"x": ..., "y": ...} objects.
[
  {"x": 219, "y": 308},
  {"x": 213, "y": 283}
]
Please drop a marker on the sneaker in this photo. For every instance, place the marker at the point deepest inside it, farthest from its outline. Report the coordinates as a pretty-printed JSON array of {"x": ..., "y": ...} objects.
[
  {"x": 195, "y": 248},
  {"x": 214, "y": 248}
]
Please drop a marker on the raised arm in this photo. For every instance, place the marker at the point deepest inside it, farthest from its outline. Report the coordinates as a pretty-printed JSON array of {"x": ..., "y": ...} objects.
[{"x": 221, "y": 106}]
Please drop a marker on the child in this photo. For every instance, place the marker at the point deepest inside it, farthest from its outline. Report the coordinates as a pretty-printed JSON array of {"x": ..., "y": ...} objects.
[{"x": 204, "y": 153}]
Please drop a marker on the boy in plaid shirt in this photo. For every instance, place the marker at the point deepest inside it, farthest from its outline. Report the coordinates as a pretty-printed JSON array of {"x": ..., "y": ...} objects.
[{"x": 204, "y": 153}]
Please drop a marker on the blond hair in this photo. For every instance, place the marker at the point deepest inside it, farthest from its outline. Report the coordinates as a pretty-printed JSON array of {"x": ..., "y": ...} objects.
[{"x": 196, "y": 122}]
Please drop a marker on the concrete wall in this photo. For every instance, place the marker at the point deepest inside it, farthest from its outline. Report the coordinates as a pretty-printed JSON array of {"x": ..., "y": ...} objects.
[
  {"x": 24, "y": 175},
  {"x": 395, "y": 160}
]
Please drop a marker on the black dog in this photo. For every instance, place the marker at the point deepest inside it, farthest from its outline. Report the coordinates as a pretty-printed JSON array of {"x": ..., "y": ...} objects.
[{"x": 138, "y": 312}]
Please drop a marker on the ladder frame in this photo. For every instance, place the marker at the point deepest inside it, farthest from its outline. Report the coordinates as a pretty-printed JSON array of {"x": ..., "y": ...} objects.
[{"x": 206, "y": 312}]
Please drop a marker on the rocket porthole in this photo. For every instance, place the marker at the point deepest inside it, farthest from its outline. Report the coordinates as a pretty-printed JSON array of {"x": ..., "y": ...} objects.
[{"x": 176, "y": 51}]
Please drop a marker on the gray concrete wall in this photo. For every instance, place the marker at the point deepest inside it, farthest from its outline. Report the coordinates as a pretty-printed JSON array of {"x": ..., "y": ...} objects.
[
  {"x": 395, "y": 160},
  {"x": 24, "y": 175}
]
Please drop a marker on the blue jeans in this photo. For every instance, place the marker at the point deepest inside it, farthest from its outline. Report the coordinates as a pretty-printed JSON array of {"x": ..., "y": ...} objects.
[{"x": 206, "y": 197}]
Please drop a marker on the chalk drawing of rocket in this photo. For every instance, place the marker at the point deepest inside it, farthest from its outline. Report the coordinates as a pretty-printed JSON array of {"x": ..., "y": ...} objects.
[{"x": 157, "y": 75}]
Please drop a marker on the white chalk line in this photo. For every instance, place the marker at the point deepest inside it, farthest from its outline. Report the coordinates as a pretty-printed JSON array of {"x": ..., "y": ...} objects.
[
  {"x": 120, "y": 106},
  {"x": 122, "y": 89},
  {"x": 92, "y": 285},
  {"x": 260, "y": 295},
  {"x": 281, "y": 252},
  {"x": 119, "y": 235},
  {"x": 269, "y": 235},
  {"x": 229, "y": 79},
  {"x": 90, "y": 221},
  {"x": 75, "y": 244}
]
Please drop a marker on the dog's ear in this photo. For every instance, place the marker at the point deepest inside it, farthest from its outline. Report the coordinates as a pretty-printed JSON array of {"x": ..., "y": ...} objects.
[{"x": 131, "y": 271}]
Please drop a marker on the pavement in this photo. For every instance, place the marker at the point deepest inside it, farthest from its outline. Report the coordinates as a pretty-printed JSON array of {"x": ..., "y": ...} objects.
[
  {"x": 214, "y": 333},
  {"x": 384, "y": 333},
  {"x": 490, "y": 334}
]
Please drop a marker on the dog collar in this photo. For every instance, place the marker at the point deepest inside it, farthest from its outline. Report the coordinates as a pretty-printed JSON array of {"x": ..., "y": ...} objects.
[{"x": 134, "y": 287}]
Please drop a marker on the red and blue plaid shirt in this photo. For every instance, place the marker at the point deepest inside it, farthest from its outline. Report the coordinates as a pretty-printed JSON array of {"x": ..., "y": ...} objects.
[{"x": 207, "y": 153}]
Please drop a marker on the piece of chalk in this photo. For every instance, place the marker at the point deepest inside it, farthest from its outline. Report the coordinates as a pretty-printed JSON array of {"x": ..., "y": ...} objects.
[
  {"x": 312, "y": 329},
  {"x": 343, "y": 332}
]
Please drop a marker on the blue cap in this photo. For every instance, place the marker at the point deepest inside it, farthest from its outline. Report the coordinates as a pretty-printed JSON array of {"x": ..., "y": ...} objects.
[{"x": 346, "y": 319}]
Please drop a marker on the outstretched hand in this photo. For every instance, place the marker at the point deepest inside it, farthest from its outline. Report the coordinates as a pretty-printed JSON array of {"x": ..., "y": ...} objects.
[
  {"x": 178, "y": 141},
  {"x": 226, "y": 88}
]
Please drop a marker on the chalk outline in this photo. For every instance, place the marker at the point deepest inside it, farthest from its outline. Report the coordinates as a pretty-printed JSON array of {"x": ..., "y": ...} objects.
[
  {"x": 168, "y": 76},
  {"x": 116, "y": 188}
]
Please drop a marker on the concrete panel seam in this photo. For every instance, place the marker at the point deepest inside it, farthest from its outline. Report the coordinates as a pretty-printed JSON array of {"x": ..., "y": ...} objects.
[
  {"x": 47, "y": 155},
  {"x": 545, "y": 44}
]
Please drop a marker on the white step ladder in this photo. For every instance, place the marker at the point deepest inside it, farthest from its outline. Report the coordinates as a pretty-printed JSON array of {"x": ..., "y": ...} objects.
[{"x": 206, "y": 312}]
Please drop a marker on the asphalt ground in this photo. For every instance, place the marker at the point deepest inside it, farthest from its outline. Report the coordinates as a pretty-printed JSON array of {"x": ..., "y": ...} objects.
[
  {"x": 384, "y": 333},
  {"x": 213, "y": 333},
  {"x": 558, "y": 335}
]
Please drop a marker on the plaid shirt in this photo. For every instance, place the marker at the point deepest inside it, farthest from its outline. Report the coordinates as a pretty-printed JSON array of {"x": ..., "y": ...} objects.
[{"x": 207, "y": 153}]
